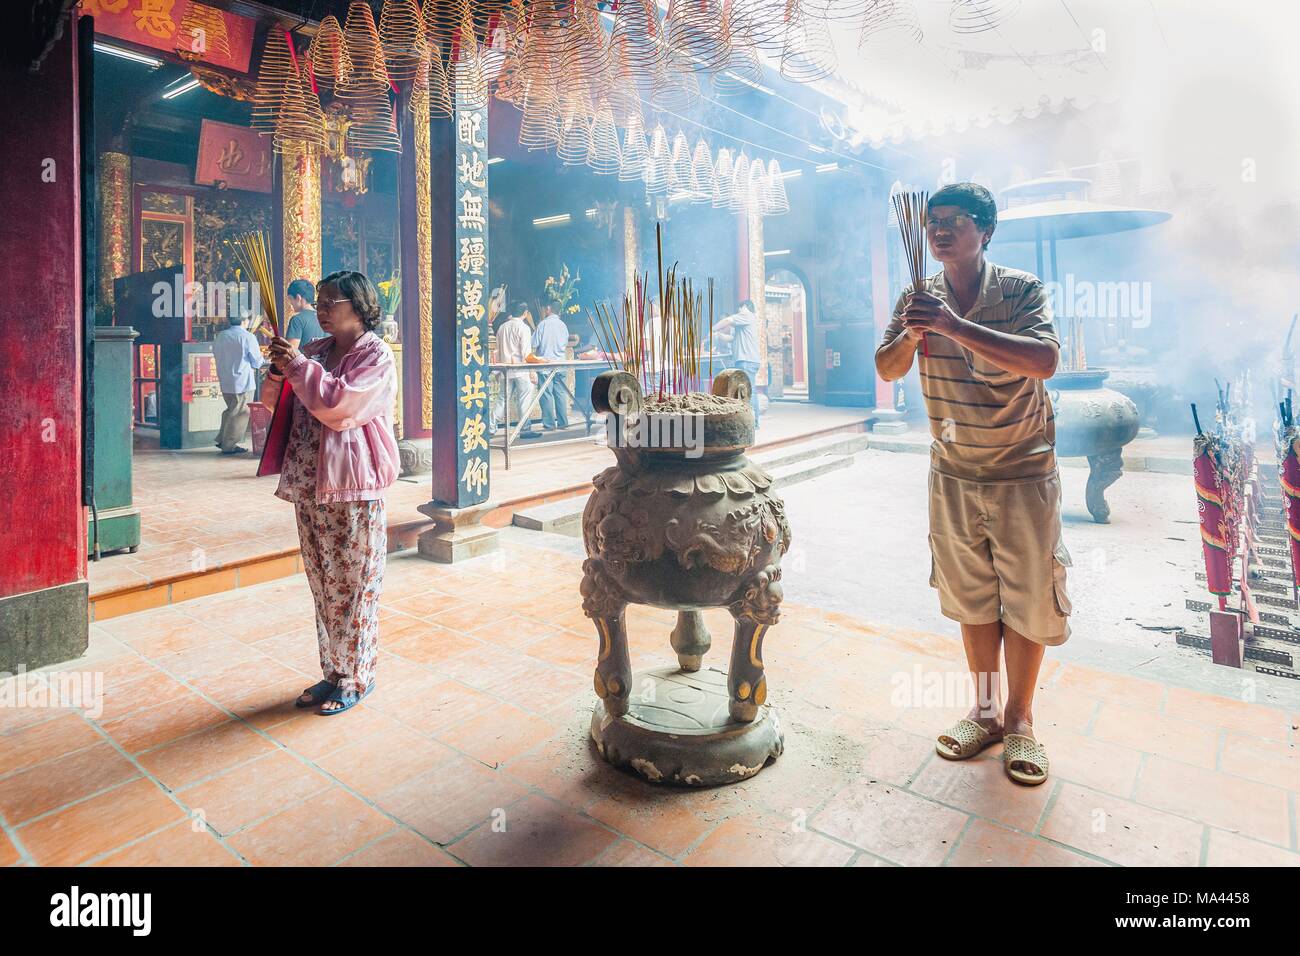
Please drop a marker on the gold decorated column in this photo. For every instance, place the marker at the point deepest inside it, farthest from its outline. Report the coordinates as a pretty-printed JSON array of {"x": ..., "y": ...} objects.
[
  {"x": 424, "y": 243},
  {"x": 114, "y": 223},
  {"x": 302, "y": 239}
]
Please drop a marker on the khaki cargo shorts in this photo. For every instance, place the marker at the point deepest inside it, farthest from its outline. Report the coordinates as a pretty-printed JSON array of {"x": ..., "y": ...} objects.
[{"x": 997, "y": 554}]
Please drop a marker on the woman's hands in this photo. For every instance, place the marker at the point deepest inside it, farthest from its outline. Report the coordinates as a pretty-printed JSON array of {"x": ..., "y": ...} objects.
[{"x": 282, "y": 353}]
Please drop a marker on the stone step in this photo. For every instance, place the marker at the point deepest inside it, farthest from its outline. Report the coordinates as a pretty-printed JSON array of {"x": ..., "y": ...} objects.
[
  {"x": 557, "y": 517},
  {"x": 845, "y": 443},
  {"x": 802, "y": 470}
]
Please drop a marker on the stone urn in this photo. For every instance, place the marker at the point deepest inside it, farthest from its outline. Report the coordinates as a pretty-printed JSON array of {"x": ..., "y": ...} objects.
[
  {"x": 1095, "y": 422},
  {"x": 683, "y": 521}
]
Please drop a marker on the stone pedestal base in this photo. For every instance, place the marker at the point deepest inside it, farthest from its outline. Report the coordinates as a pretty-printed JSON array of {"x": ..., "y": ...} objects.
[
  {"x": 889, "y": 428},
  {"x": 458, "y": 536},
  {"x": 416, "y": 455},
  {"x": 678, "y": 731}
]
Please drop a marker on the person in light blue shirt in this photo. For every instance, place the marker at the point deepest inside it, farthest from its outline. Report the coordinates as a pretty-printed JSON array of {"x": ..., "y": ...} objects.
[
  {"x": 550, "y": 339},
  {"x": 238, "y": 358},
  {"x": 744, "y": 345}
]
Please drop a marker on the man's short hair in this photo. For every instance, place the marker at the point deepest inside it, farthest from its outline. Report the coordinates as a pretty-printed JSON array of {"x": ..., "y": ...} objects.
[
  {"x": 518, "y": 308},
  {"x": 236, "y": 318},
  {"x": 303, "y": 288},
  {"x": 973, "y": 198},
  {"x": 749, "y": 303}
]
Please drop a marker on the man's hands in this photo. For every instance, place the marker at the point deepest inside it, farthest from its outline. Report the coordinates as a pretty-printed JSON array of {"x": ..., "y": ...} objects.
[
  {"x": 927, "y": 313},
  {"x": 282, "y": 353}
]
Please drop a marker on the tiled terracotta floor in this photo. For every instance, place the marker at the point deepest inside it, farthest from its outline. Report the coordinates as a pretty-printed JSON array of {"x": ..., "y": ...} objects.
[
  {"x": 473, "y": 748},
  {"x": 203, "y": 510}
]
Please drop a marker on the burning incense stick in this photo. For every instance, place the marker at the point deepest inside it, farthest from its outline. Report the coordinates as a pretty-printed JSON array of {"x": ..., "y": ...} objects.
[
  {"x": 910, "y": 208},
  {"x": 253, "y": 250}
]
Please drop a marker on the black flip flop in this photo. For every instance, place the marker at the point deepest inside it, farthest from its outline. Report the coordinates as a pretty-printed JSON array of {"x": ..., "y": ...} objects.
[
  {"x": 345, "y": 697},
  {"x": 319, "y": 694}
]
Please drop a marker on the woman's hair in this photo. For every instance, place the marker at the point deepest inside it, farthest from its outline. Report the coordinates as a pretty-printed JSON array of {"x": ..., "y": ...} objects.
[{"x": 358, "y": 290}]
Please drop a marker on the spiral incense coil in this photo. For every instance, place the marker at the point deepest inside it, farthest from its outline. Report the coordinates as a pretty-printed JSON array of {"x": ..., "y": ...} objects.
[
  {"x": 757, "y": 23},
  {"x": 301, "y": 121},
  {"x": 808, "y": 53},
  {"x": 695, "y": 35},
  {"x": 586, "y": 51},
  {"x": 979, "y": 16},
  {"x": 327, "y": 54},
  {"x": 739, "y": 199},
  {"x": 742, "y": 72},
  {"x": 633, "y": 155},
  {"x": 441, "y": 19},
  {"x": 837, "y": 10},
  {"x": 539, "y": 126},
  {"x": 891, "y": 21},
  {"x": 202, "y": 33},
  {"x": 638, "y": 32},
  {"x": 604, "y": 156},
  {"x": 377, "y": 131},
  {"x": 683, "y": 168},
  {"x": 675, "y": 90},
  {"x": 756, "y": 191},
  {"x": 272, "y": 73},
  {"x": 468, "y": 71},
  {"x": 702, "y": 172},
  {"x": 401, "y": 34},
  {"x": 657, "y": 163},
  {"x": 723, "y": 171},
  {"x": 778, "y": 203},
  {"x": 365, "y": 73},
  {"x": 575, "y": 133}
]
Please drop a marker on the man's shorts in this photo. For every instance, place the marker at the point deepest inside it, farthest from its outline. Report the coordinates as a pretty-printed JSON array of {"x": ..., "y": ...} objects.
[{"x": 997, "y": 554}]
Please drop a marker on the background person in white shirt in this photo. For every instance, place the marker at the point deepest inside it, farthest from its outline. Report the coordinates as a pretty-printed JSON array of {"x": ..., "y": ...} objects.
[
  {"x": 744, "y": 345},
  {"x": 238, "y": 357},
  {"x": 514, "y": 345}
]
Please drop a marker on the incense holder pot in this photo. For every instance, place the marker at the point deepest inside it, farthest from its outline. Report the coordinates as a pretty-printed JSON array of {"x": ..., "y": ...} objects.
[
  {"x": 1095, "y": 422},
  {"x": 683, "y": 521}
]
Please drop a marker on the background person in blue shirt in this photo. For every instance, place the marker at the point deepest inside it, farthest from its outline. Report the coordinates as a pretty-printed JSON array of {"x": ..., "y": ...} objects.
[
  {"x": 304, "y": 326},
  {"x": 238, "y": 357},
  {"x": 549, "y": 341},
  {"x": 744, "y": 345}
]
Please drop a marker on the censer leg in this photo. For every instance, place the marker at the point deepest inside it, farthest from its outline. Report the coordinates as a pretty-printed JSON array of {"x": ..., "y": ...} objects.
[
  {"x": 690, "y": 639},
  {"x": 1103, "y": 471},
  {"x": 613, "y": 679},
  {"x": 745, "y": 679}
]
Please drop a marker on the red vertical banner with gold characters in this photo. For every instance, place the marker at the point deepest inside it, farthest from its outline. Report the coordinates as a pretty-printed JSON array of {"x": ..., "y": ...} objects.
[
  {"x": 302, "y": 235},
  {"x": 472, "y": 290}
]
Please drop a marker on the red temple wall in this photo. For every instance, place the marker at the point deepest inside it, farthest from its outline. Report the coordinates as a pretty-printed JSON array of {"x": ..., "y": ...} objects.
[{"x": 42, "y": 534}]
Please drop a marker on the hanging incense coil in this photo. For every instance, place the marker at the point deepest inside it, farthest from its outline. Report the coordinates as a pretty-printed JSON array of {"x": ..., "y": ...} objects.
[
  {"x": 695, "y": 35},
  {"x": 683, "y": 168},
  {"x": 723, "y": 170},
  {"x": 633, "y": 155},
  {"x": 739, "y": 198},
  {"x": 742, "y": 72},
  {"x": 891, "y": 21},
  {"x": 575, "y": 134},
  {"x": 657, "y": 163},
  {"x": 604, "y": 156},
  {"x": 978, "y": 16},
  {"x": 638, "y": 32},
  {"x": 272, "y": 73},
  {"x": 675, "y": 90},
  {"x": 778, "y": 203},
  {"x": 808, "y": 53},
  {"x": 756, "y": 200},
  {"x": 327, "y": 54},
  {"x": 202, "y": 33},
  {"x": 586, "y": 50},
  {"x": 468, "y": 71},
  {"x": 833, "y": 10},
  {"x": 401, "y": 34},
  {"x": 702, "y": 172},
  {"x": 539, "y": 127},
  {"x": 364, "y": 73},
  {"x": 757, "y": 23},
  {"x": 377, "y": 132},
  {"x": 441, "y": 19},
  {"x": 301, "y": 121},
  {"x": 621, "y": 84}
]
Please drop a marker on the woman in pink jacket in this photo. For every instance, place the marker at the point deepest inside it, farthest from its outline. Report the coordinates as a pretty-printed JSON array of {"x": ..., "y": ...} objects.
[{"x": 338, "y": 462}]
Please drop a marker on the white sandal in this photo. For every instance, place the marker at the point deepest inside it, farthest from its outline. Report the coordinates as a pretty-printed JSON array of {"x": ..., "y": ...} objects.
[
  {"x": 1027, "y": 752},
  {"x": 968, "y": 738}
]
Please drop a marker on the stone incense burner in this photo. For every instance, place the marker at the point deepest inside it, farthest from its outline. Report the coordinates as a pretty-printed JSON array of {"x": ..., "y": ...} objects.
[{"x": 684, "y": 521}]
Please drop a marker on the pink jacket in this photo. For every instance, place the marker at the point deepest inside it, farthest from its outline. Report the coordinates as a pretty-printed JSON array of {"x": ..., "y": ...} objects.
[{"x": 358, "y": 454}]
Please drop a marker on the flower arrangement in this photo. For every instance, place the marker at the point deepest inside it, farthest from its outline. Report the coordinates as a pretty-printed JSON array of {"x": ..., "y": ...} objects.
[
  {"x": 562, "y": 291},
  {"x": 390, "y": 294}
]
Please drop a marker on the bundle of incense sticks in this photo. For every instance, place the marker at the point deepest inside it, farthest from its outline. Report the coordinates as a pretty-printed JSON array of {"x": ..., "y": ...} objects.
[
  {"x": 253, "y": 250},
  {"x": 668, "y": 364},
  {"x": 910, "y": 208}
]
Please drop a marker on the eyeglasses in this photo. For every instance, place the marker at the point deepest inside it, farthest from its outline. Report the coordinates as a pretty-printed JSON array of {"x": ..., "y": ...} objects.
[
  {"x": 329, "y": 303},
  {"x": 948, "y": 222}
]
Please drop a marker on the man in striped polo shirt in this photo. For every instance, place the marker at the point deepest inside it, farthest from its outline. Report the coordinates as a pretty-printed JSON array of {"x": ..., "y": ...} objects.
[{"x": 998, "y": 561}]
